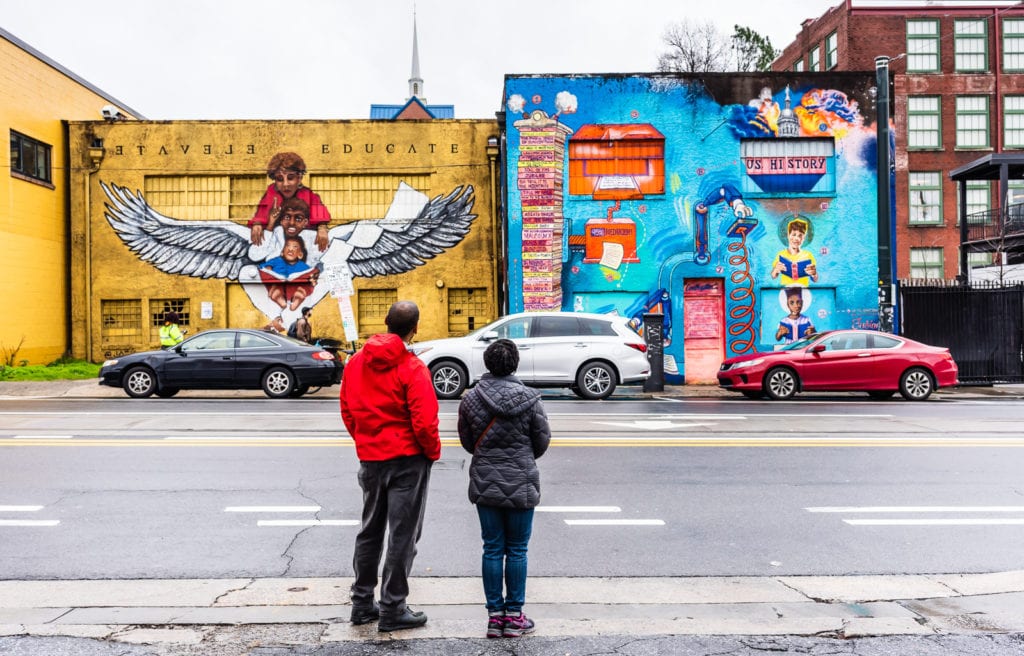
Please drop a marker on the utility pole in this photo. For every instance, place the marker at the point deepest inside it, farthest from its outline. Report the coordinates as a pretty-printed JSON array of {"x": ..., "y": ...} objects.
[{"x": 886, "y": 289}]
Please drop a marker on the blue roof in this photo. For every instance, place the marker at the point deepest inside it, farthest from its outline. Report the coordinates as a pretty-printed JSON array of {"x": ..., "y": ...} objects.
[{"x": 388, "y": 112}]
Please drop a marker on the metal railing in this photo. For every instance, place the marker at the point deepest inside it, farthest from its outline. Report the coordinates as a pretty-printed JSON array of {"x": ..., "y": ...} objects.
[{"x": 996, "y": 224}]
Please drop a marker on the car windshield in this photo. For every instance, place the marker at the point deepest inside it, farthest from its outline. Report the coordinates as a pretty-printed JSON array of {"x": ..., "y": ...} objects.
[{"x": 801, "y": 343}]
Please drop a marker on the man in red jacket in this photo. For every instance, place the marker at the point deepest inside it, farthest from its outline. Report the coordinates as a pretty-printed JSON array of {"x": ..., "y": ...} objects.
[{"x": 390, "y": 409}]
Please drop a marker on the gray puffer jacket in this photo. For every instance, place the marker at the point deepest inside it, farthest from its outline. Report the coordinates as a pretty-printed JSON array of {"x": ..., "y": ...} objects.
[{"x": 504, "y": 472}]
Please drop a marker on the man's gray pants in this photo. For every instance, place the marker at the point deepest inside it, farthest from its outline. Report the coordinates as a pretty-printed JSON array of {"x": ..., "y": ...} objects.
[{"x": 394, "y": 498}]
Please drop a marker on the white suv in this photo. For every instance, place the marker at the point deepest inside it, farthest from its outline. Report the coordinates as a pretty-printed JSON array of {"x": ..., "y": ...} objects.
[{"x": 588, "y": 353}]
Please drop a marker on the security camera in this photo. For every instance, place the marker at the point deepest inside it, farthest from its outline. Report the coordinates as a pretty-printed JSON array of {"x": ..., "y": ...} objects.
[{"x": 109, "y": 112}]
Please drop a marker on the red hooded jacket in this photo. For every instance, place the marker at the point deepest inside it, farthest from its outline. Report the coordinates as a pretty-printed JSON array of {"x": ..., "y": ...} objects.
[{"x": 388, "y": 402}]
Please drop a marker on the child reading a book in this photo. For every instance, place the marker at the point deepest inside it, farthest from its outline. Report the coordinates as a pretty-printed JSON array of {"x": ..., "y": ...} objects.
[
  {"x": 288, "y": 277},
  {"x": 795, "y": 265},
  {"x": 796, "y": 325}
]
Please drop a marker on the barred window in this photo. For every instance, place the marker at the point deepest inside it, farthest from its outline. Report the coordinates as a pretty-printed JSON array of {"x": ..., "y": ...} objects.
[
  {"x": 922, "y": 46},
  {"x": 159, "y": 307},
  {"x": 352, "y": 197},
  {"x": 190, "y": 197},
  {"x": 373, "y": 306},
  {"x": 121, "y": 320},
  {"x": 467, "y": 310}
]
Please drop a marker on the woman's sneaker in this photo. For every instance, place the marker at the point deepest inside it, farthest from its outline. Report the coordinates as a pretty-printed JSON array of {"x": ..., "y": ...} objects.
[
  {"x": 517, "y": 625},
  {"x": 495, "y": 625}
]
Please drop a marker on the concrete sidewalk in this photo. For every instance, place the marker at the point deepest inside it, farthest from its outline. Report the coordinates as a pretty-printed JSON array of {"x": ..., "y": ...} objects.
[{"x": 190, "y": 611}]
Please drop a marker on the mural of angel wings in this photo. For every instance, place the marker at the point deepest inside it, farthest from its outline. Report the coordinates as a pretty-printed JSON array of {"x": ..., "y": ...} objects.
[{"x": 414, "y": 230}]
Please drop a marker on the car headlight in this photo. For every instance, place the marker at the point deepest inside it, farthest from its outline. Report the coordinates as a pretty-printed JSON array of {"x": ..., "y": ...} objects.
[
  {"x": 419, "y": 350},
  {"x": 109, "y": 363},
  {"x": 748, "y": 363}
]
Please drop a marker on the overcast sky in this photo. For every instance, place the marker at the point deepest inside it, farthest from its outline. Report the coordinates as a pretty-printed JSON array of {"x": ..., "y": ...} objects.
[{"x": 331, "y": 59}]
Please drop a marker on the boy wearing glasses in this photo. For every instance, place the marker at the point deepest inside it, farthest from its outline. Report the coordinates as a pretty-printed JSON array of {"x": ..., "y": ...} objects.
[{"x": 286, "y": 170}]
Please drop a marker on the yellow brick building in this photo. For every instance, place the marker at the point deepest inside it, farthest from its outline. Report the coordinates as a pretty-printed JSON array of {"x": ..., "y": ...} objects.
[
  {"x": 38, "y": 95},
  {"x": 205, "y": 179}
]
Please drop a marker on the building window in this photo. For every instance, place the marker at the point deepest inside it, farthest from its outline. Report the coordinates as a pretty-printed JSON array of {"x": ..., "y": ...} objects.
[
  {"x": 159, "y": 307},
  {"x": 190, "y": 197},
  {"x": 121, "y": 321},
  {"x": 970, "y": 45},
  {"x": 245, "y": 194},
  {"x": 925, "y": 198},
  {"x": 1015, "y": 192},
  {"x": 922, "y": 46},
  {"x": 924, "y": 122},
  {"x": 972, "y": 122},
  {"x": 1013, "y": 121},
  {"x": 798, "y": 66},
  {"x": 467, "y": 310},
  {"x": 373, "y": 306},
  {"x": 831, "y": 51},
  {"x": 814, "y": 64},
  {"x": 1013, "y": 44},
  {"x": 976, "y": 260},
  {"x": 351, "y": 197},
  {"x": 926, "y": 263},
  {"x": 31, "y": 158},
  {"x": 979, "y": 202}
]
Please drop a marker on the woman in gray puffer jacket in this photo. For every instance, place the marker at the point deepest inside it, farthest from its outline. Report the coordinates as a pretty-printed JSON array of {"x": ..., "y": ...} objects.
[{"x": 503, "y": 424}]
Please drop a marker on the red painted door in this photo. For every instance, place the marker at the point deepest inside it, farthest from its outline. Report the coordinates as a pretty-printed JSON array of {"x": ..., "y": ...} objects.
[{"x": 703, "y": 329}]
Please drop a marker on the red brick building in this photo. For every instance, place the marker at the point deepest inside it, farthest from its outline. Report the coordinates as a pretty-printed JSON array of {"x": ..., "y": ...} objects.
[{"x": 957, "y": 75}]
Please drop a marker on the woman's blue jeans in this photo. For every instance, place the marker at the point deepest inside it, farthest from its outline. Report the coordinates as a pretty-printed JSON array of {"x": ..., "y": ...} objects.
[{"x": 506, "y": 535}]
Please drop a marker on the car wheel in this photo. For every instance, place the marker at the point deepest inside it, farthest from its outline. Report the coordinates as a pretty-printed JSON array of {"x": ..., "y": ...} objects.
[
  {"x": 916, "y": 384},
  {"x": 750, "y": 394},
  {"x": 299, "y": 391},
  {"x": 595, "y": 381},
  {"x": 881, "y": 395},
  {"x": 139, "y": 382},
  {"x": 167, "y": 392},
  {"x": 780, "y": 383},
  {"x": 278, "y": 383},
  {"x": 449, "y": 379}
]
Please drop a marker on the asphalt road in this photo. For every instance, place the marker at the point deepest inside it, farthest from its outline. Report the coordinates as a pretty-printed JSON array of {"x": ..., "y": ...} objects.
[{"x": 116, "y": 488}]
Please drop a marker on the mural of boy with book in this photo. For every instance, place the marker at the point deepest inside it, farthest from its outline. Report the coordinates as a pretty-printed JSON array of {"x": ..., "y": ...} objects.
[{"x": 794, "y": 265}]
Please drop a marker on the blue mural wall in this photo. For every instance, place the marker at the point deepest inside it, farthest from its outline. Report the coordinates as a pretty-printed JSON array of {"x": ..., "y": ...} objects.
[{"x": 740, "y": 206}]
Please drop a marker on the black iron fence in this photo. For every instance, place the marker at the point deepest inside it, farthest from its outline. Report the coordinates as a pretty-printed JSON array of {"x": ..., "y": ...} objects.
[{"x": 982, "y": 325}]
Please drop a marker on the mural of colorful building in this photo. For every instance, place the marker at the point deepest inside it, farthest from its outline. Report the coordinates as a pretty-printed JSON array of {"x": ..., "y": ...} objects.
[
  {"x": 739, "y": 206},
  {"x": 245, "y": 223}
]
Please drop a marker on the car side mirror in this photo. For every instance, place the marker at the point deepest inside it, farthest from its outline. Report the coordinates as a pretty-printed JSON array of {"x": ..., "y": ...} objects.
[
  {"x": 817, "y": 348},
  {"x": 490, "y": 336}
]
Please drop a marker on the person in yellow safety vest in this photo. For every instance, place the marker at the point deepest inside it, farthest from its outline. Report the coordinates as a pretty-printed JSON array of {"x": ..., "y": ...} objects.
[{"x": 170, "y": 333}]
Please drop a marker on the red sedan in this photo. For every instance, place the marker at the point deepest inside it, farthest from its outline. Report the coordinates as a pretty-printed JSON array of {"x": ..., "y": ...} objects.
[{"x": 842, "y": 361}]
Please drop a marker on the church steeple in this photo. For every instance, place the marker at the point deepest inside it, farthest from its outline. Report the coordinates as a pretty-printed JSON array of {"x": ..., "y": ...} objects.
[{"x": 415, "y": 82}]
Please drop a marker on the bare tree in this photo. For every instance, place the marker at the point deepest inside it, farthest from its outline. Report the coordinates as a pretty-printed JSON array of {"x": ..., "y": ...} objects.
[
  {"x": 701, "y": 48},
  {"x": 694, "y": 48}
]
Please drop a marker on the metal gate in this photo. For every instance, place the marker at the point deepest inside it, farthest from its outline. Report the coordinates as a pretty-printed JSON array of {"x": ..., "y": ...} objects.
[{"x": 983, "y": 327}]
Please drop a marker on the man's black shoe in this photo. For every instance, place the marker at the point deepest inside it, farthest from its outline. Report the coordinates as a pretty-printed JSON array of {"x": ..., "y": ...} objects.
[
  {"x": 364, "y": 615},
  {"x": 410, "y": 619}
]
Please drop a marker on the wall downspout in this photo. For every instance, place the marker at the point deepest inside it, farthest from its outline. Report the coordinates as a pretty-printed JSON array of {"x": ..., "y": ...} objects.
[{"x": 68, "y": 295}]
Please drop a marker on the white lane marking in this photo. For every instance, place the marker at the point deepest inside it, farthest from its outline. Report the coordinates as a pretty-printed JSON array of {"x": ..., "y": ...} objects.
[
  {"x": 239, "y": 438},
  {"x": 912, "y": 509},
  {"x": 43, "y": 437},
  {"x": 614, "y": 522},
  {"x": 935, "y": 522},
  {"x": 20, "y": 508},
  {"x": 650, "y": 425},
  {"x": 308, "y": 522},
  {"x": 272, "y": 509},
  {"x": 29, "y": 522},
  {"x": 574, "y": 509}
]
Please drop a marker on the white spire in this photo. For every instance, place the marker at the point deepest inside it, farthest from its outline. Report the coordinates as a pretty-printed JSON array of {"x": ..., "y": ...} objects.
[{"x": 415, "y": 82}]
